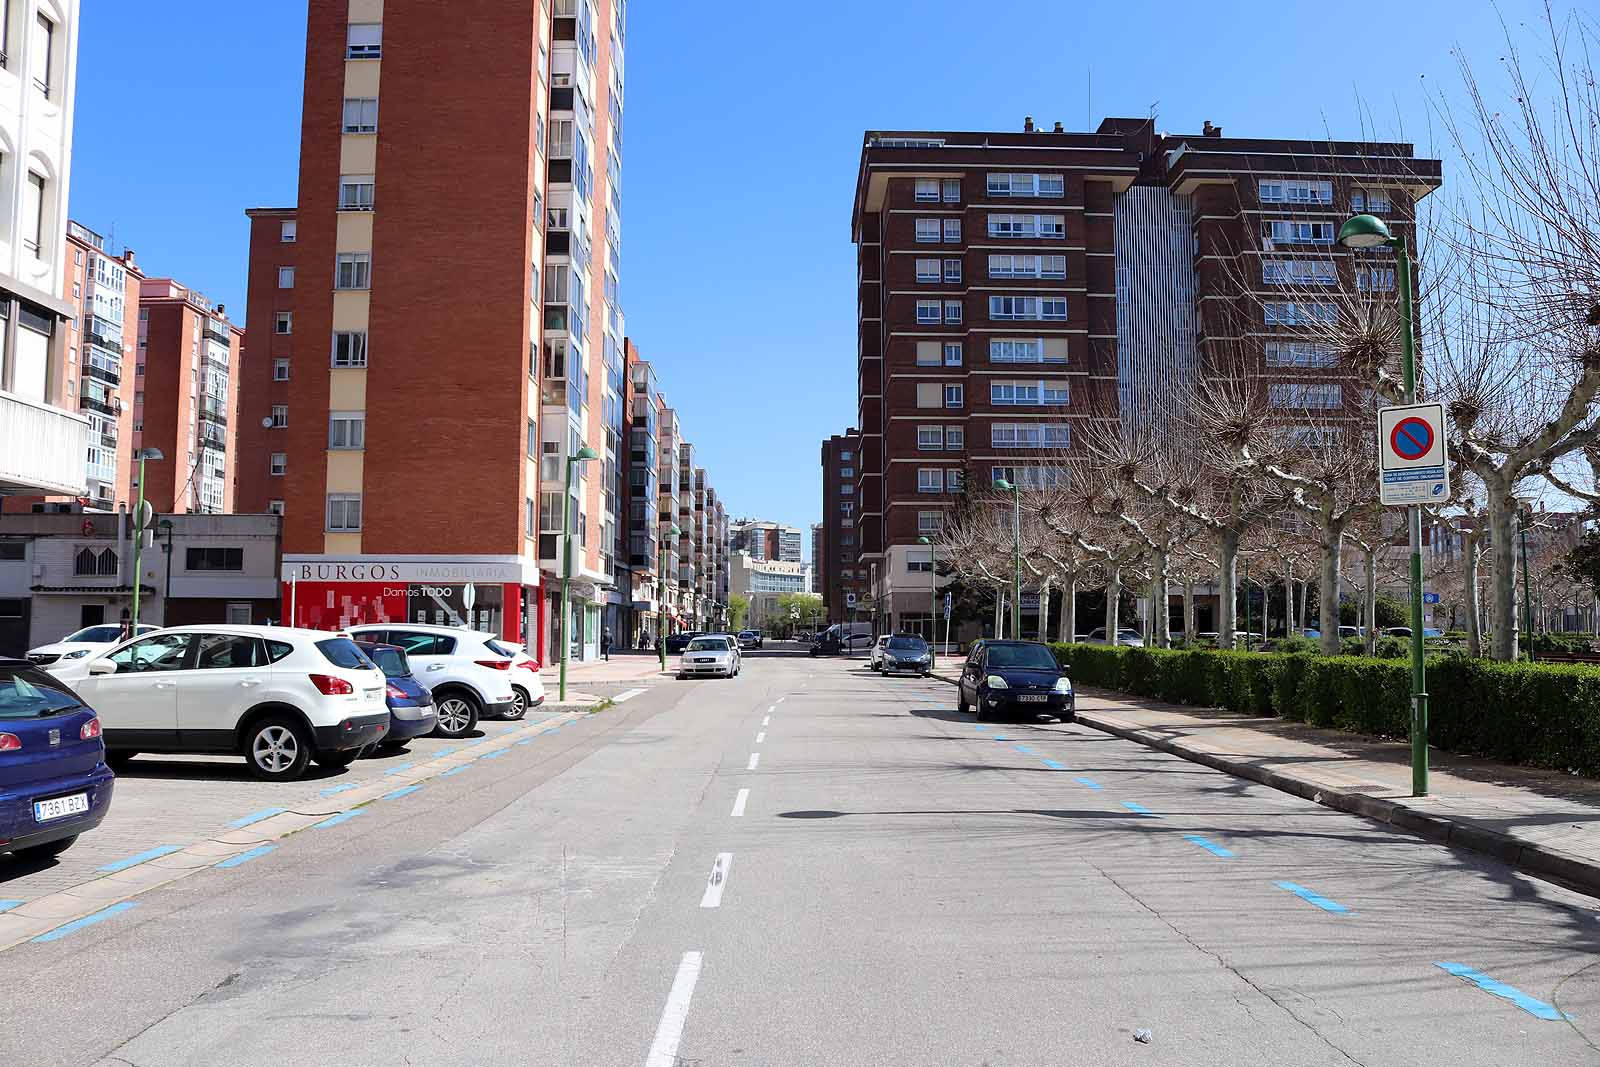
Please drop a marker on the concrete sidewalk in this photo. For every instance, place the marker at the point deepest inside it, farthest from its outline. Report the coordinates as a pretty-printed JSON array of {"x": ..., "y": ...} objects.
[
  {"x": 1542, "y": 822},
  {"x": 585, "y": 677}
]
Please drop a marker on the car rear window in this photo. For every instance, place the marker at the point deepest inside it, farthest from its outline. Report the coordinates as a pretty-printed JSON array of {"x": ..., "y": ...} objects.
[
  {"x": 500, "y": 650},
  {"x": 916, "y": 643},
  {"x": 276, "y": 650},
  {"x": 29, "y": 693},
  {"x": 391, "y": 661},
  {"x": 343, "y": 652},
  {"x": 1028, "y": 657}
]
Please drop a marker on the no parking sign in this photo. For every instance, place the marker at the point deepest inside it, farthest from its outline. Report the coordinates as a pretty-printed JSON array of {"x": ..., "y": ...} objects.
[{"x": 1412, "y": 465}]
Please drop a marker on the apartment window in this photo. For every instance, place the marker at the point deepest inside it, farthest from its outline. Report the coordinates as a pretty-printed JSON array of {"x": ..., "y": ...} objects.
[
  {"x": 285, "y": 277},
  {"x": 350, "y": 348},
  {"x": 927, "y": 353},
  {"x": 1282, "y": 191},
  {"x": 929, "y": 395},
  {"x": 928, "y": 312},
  {"x": 846, "y": 457},
  {"x": 1004, "y": 394},
  {"x": 847, "y": 507},
  {"x": 954, "y": 395},
  {"x": 930, "y": 523},
  {"x": 287, "y": 232},
  {"x": 1029, "y": 435},
  {"x": 952, "y": 353},
  {"x": 1370, "y": 201},
  {"x": 283, "y": 322},
  {"x": 1291, "y": 231},
  {"x": 274, "y": 507},
  {"x": 360, "y": 114},
  {"x": 280, "y": 463},
  {"x": 364, "y": 40},
  {"x": 1304, "y": 395},
  {"x": 280, "y": 370},
  {"x": 952, "y": 190},
  {"x": 927, "y": 190},
  {"x": 952, "y": 231},
  {"x": 930, "y": 479},
  {"x": 927, "y": 270},
  {"x": 1056, "y": 394},
  {"x": 33, "y": 214},
  {"x": 1027, "y": 308},
  {"x": 952, "y": 311},
  {"x": 344, "y": 511},
  {"x": 952, "y": 270},
  {"x": 954, "y": 438},
  {"x": 1299, "y": 354},
  {"x": 1048, "y": 226},
  {"x": 44, "y": 38},
  {"x": 356, "y": 191},
  {"x": 1378, "y": 279},
  {"x": 353, "y": 271},
  {"x": 1298, "y": 272},
  {"x": 927, "y": 231},
  {"x": 930, "y": 438},
  {"x": 533, "y": 439},
  {"x": 280, "y": 416},
  {"x": 1303, "y": 314},
  {"x": 847, "y": 472},
  {"x": 347, "y": 430}
]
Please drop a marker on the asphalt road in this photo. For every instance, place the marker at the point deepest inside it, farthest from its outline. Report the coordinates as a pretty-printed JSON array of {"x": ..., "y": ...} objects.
[{"x": 897, "y": 886}]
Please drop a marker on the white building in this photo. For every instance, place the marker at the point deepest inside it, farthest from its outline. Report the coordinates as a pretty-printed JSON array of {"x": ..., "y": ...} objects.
[
  {"x": 43, "y": 448},
  {"x": 763, "y": 581}
]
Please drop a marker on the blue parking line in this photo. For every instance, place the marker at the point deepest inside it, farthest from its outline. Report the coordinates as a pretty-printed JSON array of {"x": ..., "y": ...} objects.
[
  {"x": 979, "y": 726},
  {"x": 997, "y": 737},
  {"x": 343, "y": 816},
  {"x": 1210, "y": 846},
  {"x": 526, "y": 741},
  {"x": 442, "y": 752},
  {"x": 496, "y": 754},
  {"x": 1054, "y": 766},
  {"x": 1026, "y": 751},
  {"x": 1091, "y": 783},
  {"x": 246, "y": 857},
  {"x": 143, "y": 857},
  {"x": 401, "y": 792},
  {"x": 1537, "y": 1008},
  {"x": 455, "y": 770},
  {"x": 397, "y": 770},
  {"x": 338, "y": 789},
  {"x": 1312, "y": 898},
  {"x": 1139, "y": 809},
  {"x": 7, "y": 905},
  {"x": 88, "y": 920},
  {"x": 256, "y": 816}
]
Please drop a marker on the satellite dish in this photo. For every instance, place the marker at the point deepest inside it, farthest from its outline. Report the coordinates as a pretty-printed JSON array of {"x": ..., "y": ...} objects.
[{"x": 266, "y": 422}]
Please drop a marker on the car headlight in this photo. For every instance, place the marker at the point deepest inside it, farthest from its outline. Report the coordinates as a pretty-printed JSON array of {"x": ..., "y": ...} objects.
[
  {"x": 79, "y": 654},
  {"x": 1063, "y": 685},
  {"x": 994, "y": 681}
]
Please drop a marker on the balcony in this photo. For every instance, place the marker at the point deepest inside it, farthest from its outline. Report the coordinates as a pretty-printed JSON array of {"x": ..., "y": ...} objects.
[
  {"x": 218, "y": 332},
  {"x": 89, "y": 403},
  {"x": 110, "y": 377},
  {"x": 41, "y": 448}
]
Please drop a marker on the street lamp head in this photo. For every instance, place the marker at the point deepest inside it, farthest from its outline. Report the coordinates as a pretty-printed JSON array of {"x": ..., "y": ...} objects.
[
  {"x": 1365, "y": 231},
  {"x": 1004, "y": 486},
  {"x": 150, "y": 453},
  {"x": 924, "y": 541},
  {"x": 585, "y": 454}
]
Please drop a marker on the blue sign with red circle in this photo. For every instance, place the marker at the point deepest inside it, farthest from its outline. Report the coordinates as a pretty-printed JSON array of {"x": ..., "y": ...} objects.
[{"x": 1411, "y": 438}]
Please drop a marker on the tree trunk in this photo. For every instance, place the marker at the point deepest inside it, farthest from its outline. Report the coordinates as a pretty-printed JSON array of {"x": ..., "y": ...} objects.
[
  {"x": 1160, "y": 617},
  {"x": 1332, "y": 544},
  {"x": 1113, "y": 596},
  {"x": 1044, "y": 610},
  {"x": 1228, "y": 587},
  {"x": 1288, "y": 597},
  {"x": 1371, "y": 591},
  {"x": 1069, "y": 611},
  {"x": 1473, "y": 545},
  {"x": 1502, "y": 570},
  {"x": 1188, "y": 611},
  {"x": 999, "y": 611}
]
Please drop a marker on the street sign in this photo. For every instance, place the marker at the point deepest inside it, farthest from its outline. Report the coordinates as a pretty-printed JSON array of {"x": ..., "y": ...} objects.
[
  {"x": 849, "y": 600},
  {"x": 1430, "y": 598},
  {"x": 1413, "y": 467},
  {"x": 469, "y": 596},
  {"x": 949, "y": 600}
]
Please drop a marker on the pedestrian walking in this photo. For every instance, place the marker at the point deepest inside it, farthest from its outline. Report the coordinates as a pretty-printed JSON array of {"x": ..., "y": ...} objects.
[{"x": 605, "y": 644}]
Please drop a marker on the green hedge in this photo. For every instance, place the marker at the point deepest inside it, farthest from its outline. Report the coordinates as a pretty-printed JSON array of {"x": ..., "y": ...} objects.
[{"x": 1547, "y": 715}]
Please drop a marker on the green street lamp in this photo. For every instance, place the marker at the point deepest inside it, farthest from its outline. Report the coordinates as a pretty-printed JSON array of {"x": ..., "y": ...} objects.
[
  {"x": 584, "y": 455},
  {"x": 1016, "y": 548},
  {"x": 140, "y": 522},
  {"x": 933, "y": 591},
  {"x": 661, "y": 596},
  {"x": 1369, "y": 231}
]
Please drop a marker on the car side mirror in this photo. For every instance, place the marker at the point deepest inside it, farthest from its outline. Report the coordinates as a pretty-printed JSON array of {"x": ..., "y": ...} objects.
[{"x": 103, "y": 666}]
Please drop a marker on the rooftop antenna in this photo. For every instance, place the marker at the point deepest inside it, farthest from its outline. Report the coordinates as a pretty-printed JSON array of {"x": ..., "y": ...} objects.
[{"x": 1090, "y": 126}]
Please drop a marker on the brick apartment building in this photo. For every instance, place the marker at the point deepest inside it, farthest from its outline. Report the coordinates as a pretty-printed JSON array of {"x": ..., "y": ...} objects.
[
  {"x": 186, "y": 398},
  {"x": 444, "y": 348},
  {"x": 766, "y": 540},
  {"x": 1013, "y": 285},
  {"x": 840, "y": 545}
]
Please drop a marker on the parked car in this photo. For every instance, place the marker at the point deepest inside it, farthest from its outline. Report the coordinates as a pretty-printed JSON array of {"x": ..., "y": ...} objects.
[
  {"x": 749, "y": 639},
  {"x": 716, "y": 655},
  {"x": 679, "y": 641},
  {"x": 411, "y": 710},
  {"x": 527, "y": 688},
  {"x": 80, "y": 644},
  {"x": 1015, "y": 676},
  {"x": 1405, "y": 632},
  {"x": 875, "y": 656},
  {"x": 1125, "y": 637},
  {"x": 54, "y": 782},
  {"x": 843, "y": 639},
  {"x": 279, "y": 697},
  {"x": 906, "y": 654},
  {"x": 467, "y": 671}
]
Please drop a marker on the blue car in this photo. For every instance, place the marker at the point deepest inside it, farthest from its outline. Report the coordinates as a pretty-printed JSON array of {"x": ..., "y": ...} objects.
[
  {"x": 54, "y": 782},
  {"x": 1016, "y": 678},
  {"x": 411, "y": 710}
]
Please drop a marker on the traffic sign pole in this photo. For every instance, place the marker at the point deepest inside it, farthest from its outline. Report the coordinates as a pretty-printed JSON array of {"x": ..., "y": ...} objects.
[{"x": 1419, "y": 669}]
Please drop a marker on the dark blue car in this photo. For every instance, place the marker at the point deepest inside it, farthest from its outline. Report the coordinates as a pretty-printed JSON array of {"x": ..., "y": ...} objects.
[
  {"x": 1015, "y": 678},
  {"x": 54, "y": 782},
  {"x": 411, "y": 710}
]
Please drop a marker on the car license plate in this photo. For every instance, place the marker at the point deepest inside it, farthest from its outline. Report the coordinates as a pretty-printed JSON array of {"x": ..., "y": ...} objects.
[
  {"x": 1033, "y": 698},
  {"x": 372, "y": 694},
  {"x": 59, "y": 807}
]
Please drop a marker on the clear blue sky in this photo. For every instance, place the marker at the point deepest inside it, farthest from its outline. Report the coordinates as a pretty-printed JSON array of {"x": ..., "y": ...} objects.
[{"x": 743, "y": 130}]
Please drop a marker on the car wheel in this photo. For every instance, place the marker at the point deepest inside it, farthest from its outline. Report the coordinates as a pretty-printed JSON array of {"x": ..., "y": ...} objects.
[
  {"x": 961, "y": 701},
  {"x": 519, "y": 703},
  {"x": 48, "y": 850},
  {"x": 458, "y": 714},
  {"x": 681, "y": 677},
  {"x": 277, "y": 749},
  {"x": 119, "y": 758},
  {"x": 336, "y": 760}
]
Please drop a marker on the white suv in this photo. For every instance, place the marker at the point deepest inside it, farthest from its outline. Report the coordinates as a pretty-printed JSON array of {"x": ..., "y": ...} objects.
[
  {"x": 468, "y": 671},
  {"x": 277, "y": 696}
]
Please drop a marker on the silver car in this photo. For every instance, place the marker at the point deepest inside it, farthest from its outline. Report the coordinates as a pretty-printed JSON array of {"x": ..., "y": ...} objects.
[
  {"x": 1125, "y": 637},
  {"x": 715, "y": 656}
]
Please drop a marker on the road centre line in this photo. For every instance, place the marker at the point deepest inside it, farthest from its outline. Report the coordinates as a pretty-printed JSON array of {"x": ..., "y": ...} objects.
[
  {"x": 627, "y": 694},
  {"x": 712, "y": 898},
  {"x": 760, "y": 737},
  {"x": 755, "y": 758},
  {"x": 739, "y": 802},
  {"x": 1537, "y": 1008},
  {"x": 669, "y": 1031},
  {"x": 766, "y": 721}
]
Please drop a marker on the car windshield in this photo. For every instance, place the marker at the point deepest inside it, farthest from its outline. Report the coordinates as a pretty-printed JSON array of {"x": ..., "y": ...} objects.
[
  {"x": 908, "y": 644},
  {"x": 1127, "y": 633},
  {"x": 96, "y": 635},
  {"x": 1032, "y": 657},
  {"x": 708, "y": 644},
  {"x": 391, "y": 661},
  {"x": 28, "y": 693},
  {"x": 343, "y": 652}
]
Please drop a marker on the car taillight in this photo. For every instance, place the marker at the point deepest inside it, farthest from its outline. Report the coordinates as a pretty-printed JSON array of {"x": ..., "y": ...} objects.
[
  {"x": 395, "y": 691},
  {"x": 10, "y": 743},
  {"x": 328, "y": 685},
  {"x": 89, "y": 730},
  {"x": 529, "y": 665},
  {"x": 497, "y": 664}
]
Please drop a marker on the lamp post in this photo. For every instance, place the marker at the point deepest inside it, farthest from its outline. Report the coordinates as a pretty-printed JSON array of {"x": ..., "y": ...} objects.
[
  {"x": 583, "y": 455},
  {"x": 139, "y": 524},
  {"x": 1369, "y": 231},
  {"x": 1016, "y": 549},
  {"x": 661, "y": 597},
  {"x": 165, "y": 525},
  {"x": 933, "y": 593}
]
